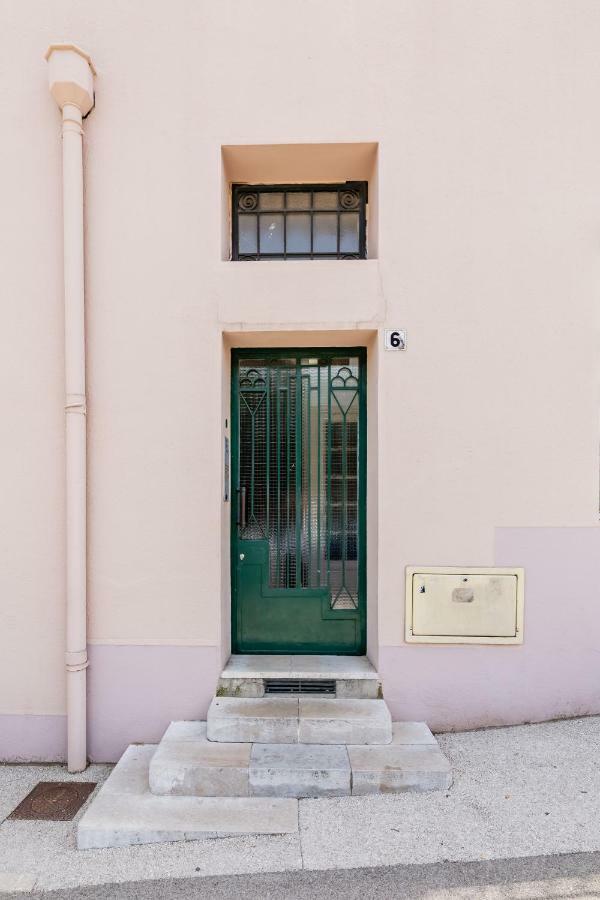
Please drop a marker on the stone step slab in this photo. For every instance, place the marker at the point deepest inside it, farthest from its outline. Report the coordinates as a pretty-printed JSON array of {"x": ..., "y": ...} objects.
[
  {"x": 245, "y": 675},
  {"x": 268, "y": 720},
  {"x": 323, "y": 721},
  {"x": 186, "y": 763},
  {"x": 248, "y": 665},
  {"x": 412, "y": 734},
  {"x": 412, "y": 762},
  {"x": 307, "y": 720},
  {"x": 299, "y": 770},
  {"x": 125, "y": 812}
]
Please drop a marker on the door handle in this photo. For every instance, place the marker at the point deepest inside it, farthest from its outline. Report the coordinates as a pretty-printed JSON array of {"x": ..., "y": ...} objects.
[{"x": 241, "y": 508}]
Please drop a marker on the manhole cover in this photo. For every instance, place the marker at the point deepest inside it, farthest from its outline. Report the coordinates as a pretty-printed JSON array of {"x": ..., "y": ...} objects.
[{"x": 54, "y": 801}]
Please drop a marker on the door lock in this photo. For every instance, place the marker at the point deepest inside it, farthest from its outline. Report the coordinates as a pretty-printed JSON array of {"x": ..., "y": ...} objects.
[{"x": 242, "y": 555}]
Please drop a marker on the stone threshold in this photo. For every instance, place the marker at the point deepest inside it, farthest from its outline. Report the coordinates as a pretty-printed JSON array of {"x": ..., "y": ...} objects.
[
  {"x": 300, "y": 666},
  {"x": 247, "y": 675}
]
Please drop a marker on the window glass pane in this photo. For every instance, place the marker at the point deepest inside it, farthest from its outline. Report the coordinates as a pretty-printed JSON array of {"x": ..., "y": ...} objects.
[
  {"x": 271, "y": 234},
  {"x": 298, "y": 200},
  {"x": 325, "y": 233},
  {"x": 349, "y": 233},
  {"x": 247, "y": 234},
  {"x": 325, "y": 200},
  {"x": 270, "y": 200},
  {"x": 298, "y": 233}
]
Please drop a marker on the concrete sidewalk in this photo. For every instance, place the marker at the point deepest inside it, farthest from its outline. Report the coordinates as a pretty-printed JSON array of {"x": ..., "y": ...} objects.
[{"x": 518, "y": 792}]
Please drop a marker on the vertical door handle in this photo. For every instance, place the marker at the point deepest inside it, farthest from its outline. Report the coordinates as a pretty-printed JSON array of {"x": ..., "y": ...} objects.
[{"x": 242, "y": 508}]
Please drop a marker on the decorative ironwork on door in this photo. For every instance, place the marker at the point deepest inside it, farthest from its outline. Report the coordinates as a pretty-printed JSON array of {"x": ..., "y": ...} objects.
[{"x": 300, "y": 439}]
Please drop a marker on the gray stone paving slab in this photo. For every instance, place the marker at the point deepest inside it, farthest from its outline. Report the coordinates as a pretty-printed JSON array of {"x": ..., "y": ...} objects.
[
  {"x": 358, "y": 688},
  {"x": 125, "y": 812},
  {"x": 385, "y": 770},
  {"x": 326, "y": 721},
  {"x": 195, "y": 766},
  {"x": 185, "y": 730},
  {"x": 299, "y": 770},
  {"x": 413, "y": 734},
  {"x": 241, "y": 687},
  {"x": 268, "y": 720},
  {"x": 249, "y": 665},
  {"x": 298, "y": 666}
]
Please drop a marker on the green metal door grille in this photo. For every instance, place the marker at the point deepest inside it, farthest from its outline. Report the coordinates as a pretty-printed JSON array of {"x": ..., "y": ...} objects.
[{"x": 298, "y": 468}]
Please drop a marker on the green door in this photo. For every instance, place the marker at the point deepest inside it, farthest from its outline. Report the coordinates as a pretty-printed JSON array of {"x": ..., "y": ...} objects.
[{"x": 298, "y": 441}]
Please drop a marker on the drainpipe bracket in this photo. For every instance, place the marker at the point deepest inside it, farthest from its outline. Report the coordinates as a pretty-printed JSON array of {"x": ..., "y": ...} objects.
[
  {"x": 76, "y": 660},
  {"x": 76, "y": 403}
]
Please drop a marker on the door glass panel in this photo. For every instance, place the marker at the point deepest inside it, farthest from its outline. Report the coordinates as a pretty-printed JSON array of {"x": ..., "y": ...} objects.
[{"x": 299, "y": 441}]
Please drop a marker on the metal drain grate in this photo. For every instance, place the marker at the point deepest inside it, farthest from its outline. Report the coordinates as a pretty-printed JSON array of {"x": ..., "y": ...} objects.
[
  {"x": 54, "y": 801},
  {"x": 300, "y": 686}
]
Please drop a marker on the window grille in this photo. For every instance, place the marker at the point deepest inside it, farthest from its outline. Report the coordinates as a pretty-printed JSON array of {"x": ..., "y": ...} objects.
[{"x": 299, "y": 221}]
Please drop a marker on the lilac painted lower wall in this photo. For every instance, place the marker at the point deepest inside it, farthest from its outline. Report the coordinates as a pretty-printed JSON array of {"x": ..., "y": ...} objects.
[
  {"x": 33, "y": 738},
  {"x": 555, "y": 673},
  {"x": 134, "y": 691}
]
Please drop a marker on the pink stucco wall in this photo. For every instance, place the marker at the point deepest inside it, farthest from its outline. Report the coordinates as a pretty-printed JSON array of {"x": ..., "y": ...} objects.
[{"x": 475, "y": 125}]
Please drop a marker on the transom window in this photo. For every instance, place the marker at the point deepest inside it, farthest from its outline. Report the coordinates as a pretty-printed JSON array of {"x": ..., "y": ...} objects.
[{"x": 299, "y": 221}]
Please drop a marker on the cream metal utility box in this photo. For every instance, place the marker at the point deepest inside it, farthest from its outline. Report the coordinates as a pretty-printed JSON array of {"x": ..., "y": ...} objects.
[{"x": 464, "y": 606}]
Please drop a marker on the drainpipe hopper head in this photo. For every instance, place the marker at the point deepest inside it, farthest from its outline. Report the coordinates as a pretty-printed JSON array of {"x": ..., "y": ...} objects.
[{"x": 71, "y": 76}]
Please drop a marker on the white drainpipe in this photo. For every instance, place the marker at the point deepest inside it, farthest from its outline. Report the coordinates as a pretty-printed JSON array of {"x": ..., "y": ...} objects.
[{"x": 71, "y": 78}]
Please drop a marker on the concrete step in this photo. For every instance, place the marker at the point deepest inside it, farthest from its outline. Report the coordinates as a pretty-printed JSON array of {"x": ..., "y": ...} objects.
[
  {"x": 125, "y": 812},
  {"x": 186, "y": 763},
  {"x": 305, "y": 720},
  {"x": 253, "y": 676},
  {"x": 299, "y": 770},
  {"x": 412, "y": 762},
  {"x": 268, "y": 720},
  {"x": 324, "y": 721}
]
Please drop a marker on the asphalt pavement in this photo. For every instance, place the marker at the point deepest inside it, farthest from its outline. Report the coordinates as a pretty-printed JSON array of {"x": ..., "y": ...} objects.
[{"x": 563, "y": 875}]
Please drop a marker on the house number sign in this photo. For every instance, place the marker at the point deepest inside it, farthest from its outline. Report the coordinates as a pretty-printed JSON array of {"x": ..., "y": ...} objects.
[{"x": 394, "y": 339}]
